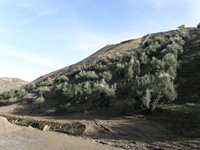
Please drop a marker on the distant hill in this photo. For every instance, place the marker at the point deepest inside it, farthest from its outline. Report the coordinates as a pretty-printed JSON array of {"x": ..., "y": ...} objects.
[{"x": 10, "y": 83}]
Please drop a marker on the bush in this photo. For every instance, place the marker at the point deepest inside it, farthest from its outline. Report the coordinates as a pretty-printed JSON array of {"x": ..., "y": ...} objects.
[
  {"x": 8, "y": 94},
  {"x": 148, "y": 42},
  {"x": 89, "y": 75},
  {"x": 160, "y": 39},
  {"x": 151, "y": 90},
  {"x": 39, "y": 101},
  {"x": 30, "y": 86},
  {"x": 120, "y": 71},
  {"x": 198, "y": 26},
  {"x": 20, "y": 93},
  {"x": 102, "y": 93},
  {"x": 44, "y": 90},
  {"x": 144, "y": 59},
  {"x": 100, "y": 68},
  {"x": 44, "y": 83},
  {"x": 106, "y": 75},
  {"x": 183, "y": 33},
  {"x": 62, "y": 79}
]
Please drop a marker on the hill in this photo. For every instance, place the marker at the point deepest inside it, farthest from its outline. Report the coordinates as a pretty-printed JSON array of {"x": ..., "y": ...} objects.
[
  {"x": 10, "y": 83},
  {"x": 138, "y": 94}
]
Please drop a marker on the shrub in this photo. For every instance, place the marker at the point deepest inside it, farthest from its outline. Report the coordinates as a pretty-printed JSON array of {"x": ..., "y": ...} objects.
[
  {"x": 173, "y": 48},
  {"x": 68, "y": 91},
  {"x": 89, "y": 75},
  {"x": 44, "y": 83},
  {"x": 152, "y": 49},
  {"x": 30, "y": 86},
  {"x": 39, "y": 101},
  {"x": 20, "y": 93},
  {"x": 44, "y": 90},
  {"x": 198, "y": 26},
  {"x": 62, "y": 79},
  {"x": 160, "y": 39},
  {"x": 8, "y": 94},
  {"x": 100, "y": 68},
  {"x": 148, "y": 42},
  {"x": 120, "y": 71},
  {"x": 183, "y": 33},
  {"x": 144, "y": 59},
  {"x": 106, "y": 75},
  {"x": 151, "y": 90},
  {"x": 102, "y": 93}
]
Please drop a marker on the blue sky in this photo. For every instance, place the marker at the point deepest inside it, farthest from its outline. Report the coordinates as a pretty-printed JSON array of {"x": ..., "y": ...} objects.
[{"x": 41, "y": 36}]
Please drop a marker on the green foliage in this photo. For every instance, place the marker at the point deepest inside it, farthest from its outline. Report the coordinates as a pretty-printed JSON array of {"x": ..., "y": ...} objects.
[
  {"x": 120, "y": 71},
  {"x": 198, "y": 26},
  {"x": 144, "y": 59},
  {"x": 132, "y": 69},
  {"x": 183, "y": 33},
  {"x": 160, "y": 39},
  {"x": 106, "y": 75},
  {"x": 62, "y": 79},
  {"x": 86, "y": 75},
  {"x": 39, "y": 101},
  {"x": 30, "y": 86},
  {"x": 173, "y": 48},
  {"x": 44, "y": 90},
  {"x": 8, "y": 94},
  {"x": 44, "y": 83},
  {"x": 100, "y": 68},
  {"x": 151, "y": 90},
  {"x": 148, "y": 42},
  {"x": 20, "y": 93},
  {"x": 102, "y": 93}
]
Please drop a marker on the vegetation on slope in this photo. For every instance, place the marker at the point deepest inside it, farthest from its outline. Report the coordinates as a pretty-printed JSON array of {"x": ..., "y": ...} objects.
[{"x": 142, "y": 79}]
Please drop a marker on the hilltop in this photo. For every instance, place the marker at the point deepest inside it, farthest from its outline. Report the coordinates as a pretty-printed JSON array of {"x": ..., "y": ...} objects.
[{"x": 10, "y": 83}]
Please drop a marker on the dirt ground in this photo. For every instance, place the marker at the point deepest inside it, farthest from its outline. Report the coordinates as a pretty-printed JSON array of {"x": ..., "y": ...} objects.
[{"x": 131, "y": 132}]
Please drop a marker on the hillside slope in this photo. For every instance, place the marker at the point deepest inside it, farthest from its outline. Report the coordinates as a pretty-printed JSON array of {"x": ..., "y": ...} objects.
[
  {"x": 109, "y": 50},
  {"x": 10, "y": 83}
]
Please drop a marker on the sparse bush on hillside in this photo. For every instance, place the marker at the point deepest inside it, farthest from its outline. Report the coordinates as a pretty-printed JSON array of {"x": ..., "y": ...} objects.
[
  {"x": 168, "y": 36},
  {"x": 198, "y": 26},
  {"x": 144, "y": 59},
  {"x": 20, "y": 93},
  {"x": 151, "y": 90},
  {"x": 152, "y": 49},
  {"x": 8, "y": 94},
  {"x": 173, "y": 48},
  {"x": 68, "y": 91},
  {"x": 179, "y": 40},
  {"x": 115, "y": 58},
  {"x": 148, "y": 42},
  {"x": 120, "y": 71},
  {"x": 100, "y": 68},
  {"x": 160, "y": 39},
  {"x": 30, "y": 86},
  {"x": 102, "y": 93},
  {"x": 106, "y": 75},
  {"x": 44, "y": 83},
  {"x": 86, "y": 75},
  {"x": 44, "y": 90},
  {"x": 62, "y": 79},
  {"x": 104, "y": 61},
  {"x": 132, "y": 69},
  {"x": 39, "y": 101},
  {"x": 183, "y": 33}
]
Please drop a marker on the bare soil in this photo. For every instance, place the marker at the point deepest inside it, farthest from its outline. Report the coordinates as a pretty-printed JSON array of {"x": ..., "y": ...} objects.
[{"x": 130, "y": 132}]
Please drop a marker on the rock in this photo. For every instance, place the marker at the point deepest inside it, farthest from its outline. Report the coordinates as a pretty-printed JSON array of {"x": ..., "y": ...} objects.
[{"x": 46, "y": 128}]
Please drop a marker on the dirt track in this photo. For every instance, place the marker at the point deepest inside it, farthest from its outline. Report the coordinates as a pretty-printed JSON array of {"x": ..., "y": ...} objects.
[
  {"x": 13, "y": 137},
  {"x": 134, "y": 132}
]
